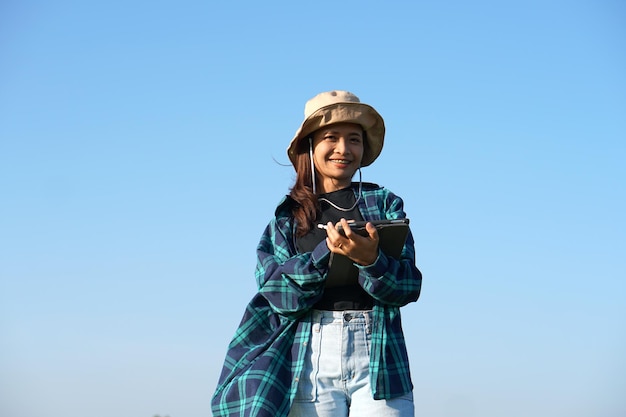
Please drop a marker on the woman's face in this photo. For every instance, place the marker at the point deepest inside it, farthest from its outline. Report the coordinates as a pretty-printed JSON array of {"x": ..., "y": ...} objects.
[{"x": 337, "y": 154}]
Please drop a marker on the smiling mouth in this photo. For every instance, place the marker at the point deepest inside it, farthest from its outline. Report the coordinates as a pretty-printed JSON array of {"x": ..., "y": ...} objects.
[{"x": 341, "y": 161}]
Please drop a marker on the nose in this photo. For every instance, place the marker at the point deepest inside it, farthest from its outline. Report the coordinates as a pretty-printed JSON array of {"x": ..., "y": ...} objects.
[{"x": 342, "y": 146}]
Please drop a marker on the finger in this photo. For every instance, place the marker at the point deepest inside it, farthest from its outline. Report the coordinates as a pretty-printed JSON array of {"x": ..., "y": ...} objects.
[
  {"x": 372, "y": 231},
  {"x": 347, "y": 230},
  {"x": 330, "y": 229},
  {"x": 337, "y": 247}
]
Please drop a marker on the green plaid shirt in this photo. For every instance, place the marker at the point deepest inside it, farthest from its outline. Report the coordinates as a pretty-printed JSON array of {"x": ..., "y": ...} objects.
[{"x": 265, "y": 359}]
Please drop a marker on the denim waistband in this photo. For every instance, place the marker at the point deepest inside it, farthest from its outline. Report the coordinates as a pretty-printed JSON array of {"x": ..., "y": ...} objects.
[{"x": 347, "y": 316}]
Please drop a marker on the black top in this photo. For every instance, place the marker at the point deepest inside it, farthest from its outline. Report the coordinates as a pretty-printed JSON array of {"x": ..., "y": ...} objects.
[{"x": 350, "y": 297}]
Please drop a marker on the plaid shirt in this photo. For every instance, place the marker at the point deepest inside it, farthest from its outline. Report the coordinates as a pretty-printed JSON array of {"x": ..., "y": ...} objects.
[{"x": 265, "y": 359}]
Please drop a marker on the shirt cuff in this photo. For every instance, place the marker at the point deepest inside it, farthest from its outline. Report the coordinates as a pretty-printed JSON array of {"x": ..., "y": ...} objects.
[
  {"x": 320, "y": 255},
  {"x": 378, "y": 268}
]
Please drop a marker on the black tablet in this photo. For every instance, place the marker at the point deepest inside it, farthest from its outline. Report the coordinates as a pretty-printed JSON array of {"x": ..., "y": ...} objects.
[{"x": 392, "y": 235}]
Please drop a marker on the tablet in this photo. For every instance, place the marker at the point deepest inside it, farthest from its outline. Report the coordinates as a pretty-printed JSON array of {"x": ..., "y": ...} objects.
[
  {"x": 359, "y": 226},
  {"x": 392, "y": 235}
]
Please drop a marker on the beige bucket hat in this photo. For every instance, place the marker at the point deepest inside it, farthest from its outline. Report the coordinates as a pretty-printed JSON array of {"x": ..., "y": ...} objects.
[{"x": 341, "y": 107}]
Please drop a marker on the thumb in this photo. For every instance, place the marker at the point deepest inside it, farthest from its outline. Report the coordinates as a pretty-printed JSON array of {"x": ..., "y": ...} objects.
[{"x": 371, "y": 231}]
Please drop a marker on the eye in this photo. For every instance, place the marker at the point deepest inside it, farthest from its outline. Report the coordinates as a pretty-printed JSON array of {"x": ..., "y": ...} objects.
[
  {"x": 330, "y": 137},
  {"x": 356, "y": 139}
]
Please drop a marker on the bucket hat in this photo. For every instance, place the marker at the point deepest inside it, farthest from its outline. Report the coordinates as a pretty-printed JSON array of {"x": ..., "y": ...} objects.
[{"x": 341, "y": 107}]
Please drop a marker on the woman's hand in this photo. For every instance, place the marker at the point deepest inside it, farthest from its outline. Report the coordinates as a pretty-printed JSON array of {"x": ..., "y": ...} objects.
[{"x": 362, "y": 250}]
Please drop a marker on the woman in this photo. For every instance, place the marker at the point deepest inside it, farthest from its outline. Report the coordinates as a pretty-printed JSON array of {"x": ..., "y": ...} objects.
[{"x": 307, "y": 346}]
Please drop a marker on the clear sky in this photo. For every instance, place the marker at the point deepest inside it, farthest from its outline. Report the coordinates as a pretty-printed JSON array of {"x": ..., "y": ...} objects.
[{"x": 142, "y": 153}]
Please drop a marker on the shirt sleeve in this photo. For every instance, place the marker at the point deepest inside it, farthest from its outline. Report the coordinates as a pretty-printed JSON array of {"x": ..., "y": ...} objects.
[
  {"x": 291, "y": 282},
  {"x": 390, "y": 281}
]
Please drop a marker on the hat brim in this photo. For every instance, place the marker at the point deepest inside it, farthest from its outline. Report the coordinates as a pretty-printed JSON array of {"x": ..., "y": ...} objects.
[{"x": 359, "y": 113}]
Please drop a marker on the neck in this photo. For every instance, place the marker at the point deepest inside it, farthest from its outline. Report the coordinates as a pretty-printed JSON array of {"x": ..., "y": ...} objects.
[{"x": 331, "y": 185}]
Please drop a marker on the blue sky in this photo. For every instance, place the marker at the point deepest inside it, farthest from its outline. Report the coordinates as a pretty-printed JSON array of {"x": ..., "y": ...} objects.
[{"x": 141, "y": 146}]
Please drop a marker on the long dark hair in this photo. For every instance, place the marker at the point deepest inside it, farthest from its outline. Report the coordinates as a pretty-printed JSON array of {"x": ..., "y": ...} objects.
[{"x": 306, "y": 208}]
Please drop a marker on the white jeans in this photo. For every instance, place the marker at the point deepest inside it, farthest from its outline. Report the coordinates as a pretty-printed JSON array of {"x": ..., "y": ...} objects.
[{"x": 335, "y": 381}]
